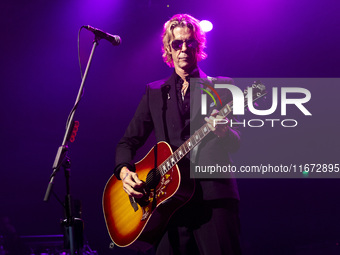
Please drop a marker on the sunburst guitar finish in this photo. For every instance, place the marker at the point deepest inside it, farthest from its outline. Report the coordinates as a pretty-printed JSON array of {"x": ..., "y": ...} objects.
[{"x": 140, "y": 229}]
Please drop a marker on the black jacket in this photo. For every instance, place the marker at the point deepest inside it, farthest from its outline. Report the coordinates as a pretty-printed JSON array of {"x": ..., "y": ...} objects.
[{"x": 159, "y": 111}]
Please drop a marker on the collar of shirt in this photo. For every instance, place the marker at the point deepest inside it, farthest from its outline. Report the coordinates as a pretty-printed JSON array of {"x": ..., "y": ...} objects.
[{"x": 179, "y": 82}]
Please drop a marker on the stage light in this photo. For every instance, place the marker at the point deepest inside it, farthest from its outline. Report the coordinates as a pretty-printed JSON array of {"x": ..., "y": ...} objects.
[{"x": 206, "y": 25}]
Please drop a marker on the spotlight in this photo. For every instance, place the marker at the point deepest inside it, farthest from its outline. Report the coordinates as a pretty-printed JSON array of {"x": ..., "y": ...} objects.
[{"x": 206, "y": 25}]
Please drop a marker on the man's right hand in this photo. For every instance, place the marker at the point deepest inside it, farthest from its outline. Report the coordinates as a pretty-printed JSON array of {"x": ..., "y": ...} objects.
[{"x": 131, "y": 182}]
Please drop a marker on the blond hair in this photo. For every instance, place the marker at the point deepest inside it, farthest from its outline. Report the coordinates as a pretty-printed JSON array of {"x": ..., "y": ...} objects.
[{"x": 182, "y": 20}]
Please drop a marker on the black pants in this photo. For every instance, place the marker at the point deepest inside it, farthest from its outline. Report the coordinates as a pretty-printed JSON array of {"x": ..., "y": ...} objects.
[{"x": 203, "y": 227}]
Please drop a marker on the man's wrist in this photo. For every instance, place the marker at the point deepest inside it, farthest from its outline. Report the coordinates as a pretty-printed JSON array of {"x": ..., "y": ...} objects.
[
  {"x": 119, "y": 167},
  {"x": 123, "y": 172}
]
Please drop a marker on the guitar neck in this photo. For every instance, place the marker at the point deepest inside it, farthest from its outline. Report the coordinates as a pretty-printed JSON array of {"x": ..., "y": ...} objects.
[
  {"x": 189, "y": 144},
  {"x": 254, "y": 93},
  {"x": 184, "y": 149}
]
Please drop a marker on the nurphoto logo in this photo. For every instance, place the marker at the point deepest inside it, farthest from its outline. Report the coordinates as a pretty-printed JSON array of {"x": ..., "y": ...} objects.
[{"x": 246, "y": 99}]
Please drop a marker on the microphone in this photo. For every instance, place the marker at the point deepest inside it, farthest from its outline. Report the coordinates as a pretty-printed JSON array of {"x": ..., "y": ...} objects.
[{"x": 114, "y": 39}]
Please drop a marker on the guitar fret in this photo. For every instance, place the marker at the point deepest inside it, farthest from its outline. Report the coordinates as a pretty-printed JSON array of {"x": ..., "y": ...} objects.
[
  {"x": 186, "y": 148},
  {"x": 175, "y": 156},
  {"x": 200, "y": 134},
  {"x": 189, "y": 144},
  {"x": 205, "y": 129}
]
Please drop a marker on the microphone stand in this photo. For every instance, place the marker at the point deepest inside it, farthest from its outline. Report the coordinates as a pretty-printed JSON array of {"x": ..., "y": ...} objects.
[{"x": 63, "y": 160}]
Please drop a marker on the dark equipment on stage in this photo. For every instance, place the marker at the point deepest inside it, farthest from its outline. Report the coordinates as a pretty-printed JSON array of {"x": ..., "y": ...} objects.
[{"x": 73, "y": 226}]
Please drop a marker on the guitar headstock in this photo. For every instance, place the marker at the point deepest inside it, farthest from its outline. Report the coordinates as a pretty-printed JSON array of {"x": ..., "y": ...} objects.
[{"x": 257, "y": 90}]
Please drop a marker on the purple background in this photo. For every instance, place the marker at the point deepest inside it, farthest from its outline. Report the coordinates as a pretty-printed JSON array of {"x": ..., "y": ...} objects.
[{"x": 251, "y": 38}]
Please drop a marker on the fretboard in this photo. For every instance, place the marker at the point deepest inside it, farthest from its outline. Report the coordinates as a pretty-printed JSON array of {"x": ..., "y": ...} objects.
[
  {"x": 189, "y": 144},
  {"x": 257, "y": 91}
]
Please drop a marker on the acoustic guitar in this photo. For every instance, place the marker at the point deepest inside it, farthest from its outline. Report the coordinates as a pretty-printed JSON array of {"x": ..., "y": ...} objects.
[{"x": 138, "y": 223}]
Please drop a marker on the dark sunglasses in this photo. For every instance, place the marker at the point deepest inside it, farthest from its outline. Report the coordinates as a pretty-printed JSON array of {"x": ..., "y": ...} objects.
[{"x": 178, "y": 44}]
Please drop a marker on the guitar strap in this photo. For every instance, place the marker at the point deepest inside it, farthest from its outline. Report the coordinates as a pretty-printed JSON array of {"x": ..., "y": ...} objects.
[
  {"x": 154, "y": 201},
  {"x": 155, "y": 153},
  {"x": 166, "y": 97}
]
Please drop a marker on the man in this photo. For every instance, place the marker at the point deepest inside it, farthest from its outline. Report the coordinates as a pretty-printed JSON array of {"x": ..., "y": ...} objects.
[{"x": 208, "y": 223}]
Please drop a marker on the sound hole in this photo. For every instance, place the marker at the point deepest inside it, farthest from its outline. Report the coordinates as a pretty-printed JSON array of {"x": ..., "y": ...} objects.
[{"x": 152, "y": 179}]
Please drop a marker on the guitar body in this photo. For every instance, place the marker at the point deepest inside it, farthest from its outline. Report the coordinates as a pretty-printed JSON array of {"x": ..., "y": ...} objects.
[{"x": 139, "y": 229}]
